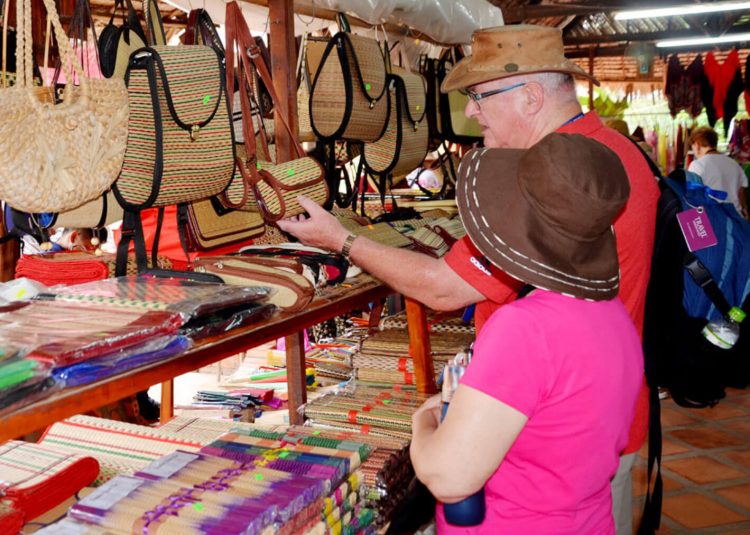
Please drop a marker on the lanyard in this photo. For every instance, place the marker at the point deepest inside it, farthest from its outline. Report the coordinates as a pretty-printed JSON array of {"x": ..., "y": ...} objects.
[{"x": 573, "y": 119}]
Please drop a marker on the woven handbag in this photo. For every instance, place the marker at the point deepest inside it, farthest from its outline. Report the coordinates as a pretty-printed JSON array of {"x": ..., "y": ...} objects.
[
  {"x": 56, "y": 157},
  {"x": 211, "y": 225},
  {"x": 404, "y": 144},
  {"x": 116, "y": 43},
  {"x": 348, "y": 95},
  {"x": 455, "y": 126},
  {"x": 180, "y": 145},
  {"x": 274, "y": 186}
]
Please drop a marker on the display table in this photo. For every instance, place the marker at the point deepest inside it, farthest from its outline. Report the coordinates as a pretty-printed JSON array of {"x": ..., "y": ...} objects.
[{"x": 332, "y": 302}]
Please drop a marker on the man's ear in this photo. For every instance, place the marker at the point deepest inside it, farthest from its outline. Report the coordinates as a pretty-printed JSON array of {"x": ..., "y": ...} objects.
[{"x": 533, "y": 97}]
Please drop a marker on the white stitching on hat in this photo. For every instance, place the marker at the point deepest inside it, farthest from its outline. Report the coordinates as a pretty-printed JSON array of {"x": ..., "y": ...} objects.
[{"x": 476, "y": 155}]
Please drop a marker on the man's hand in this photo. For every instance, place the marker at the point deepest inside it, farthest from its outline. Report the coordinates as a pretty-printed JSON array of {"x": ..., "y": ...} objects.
[{"x": 320, "y": 229}]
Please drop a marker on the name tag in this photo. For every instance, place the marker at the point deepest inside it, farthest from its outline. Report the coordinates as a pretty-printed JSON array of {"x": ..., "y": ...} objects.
[{"x": 697, "y": 229}]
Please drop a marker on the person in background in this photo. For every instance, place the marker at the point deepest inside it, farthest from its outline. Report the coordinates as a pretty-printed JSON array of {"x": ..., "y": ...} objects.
[
  {"x": 555, "y": 374},
  {"x": 520, "y": 88},
  {"x": 718, "y": 171}
]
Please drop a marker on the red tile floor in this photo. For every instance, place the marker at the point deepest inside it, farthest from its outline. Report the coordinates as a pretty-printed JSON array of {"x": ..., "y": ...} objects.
[{"x": 705, "y": 467}]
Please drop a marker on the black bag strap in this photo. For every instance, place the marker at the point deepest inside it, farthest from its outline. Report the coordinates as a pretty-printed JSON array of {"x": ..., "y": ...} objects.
[
  {"x": 131, "y": 231},
  {"x": 702, "y": 277}
]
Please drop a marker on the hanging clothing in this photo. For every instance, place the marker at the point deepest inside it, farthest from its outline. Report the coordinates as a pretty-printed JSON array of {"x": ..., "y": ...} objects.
[
  {"x": 726, "y": 81},
  {"x": 747, "y": 84},
  {"x": 683, "y": 87},
  {"x": 739, "y": 144}
]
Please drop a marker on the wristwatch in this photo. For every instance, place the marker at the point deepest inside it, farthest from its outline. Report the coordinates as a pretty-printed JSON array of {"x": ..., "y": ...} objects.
[{"x": 346, "y": 249}]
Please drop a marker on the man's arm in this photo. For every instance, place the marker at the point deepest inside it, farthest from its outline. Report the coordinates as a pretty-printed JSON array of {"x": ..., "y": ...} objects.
[{"x": 412, "y": 274}]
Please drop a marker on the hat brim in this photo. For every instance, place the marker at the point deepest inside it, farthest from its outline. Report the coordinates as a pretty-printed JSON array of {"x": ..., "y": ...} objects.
[
  {"x": 506, "y": 228},
  {"x": 462, "y": 75}
]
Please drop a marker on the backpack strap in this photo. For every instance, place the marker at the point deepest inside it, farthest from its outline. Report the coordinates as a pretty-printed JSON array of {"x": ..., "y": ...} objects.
[{"x": 703, "y": 278}]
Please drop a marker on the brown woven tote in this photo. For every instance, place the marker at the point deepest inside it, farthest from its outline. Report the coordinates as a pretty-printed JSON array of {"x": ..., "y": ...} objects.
[{"x": 57, "y": 157}]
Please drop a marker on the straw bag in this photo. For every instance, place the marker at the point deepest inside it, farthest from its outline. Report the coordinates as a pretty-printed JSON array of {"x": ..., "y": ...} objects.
[
  {"x": 348, "y": 95},
  {"x": 455, "y": 126},
  {"x": 404, "y": 144},
  {"x": 211, "y": 225},
  {"x": 274, "y": 186},
  {"x": 54, "y": 158},
  {"x": 117, "y": 43},
  {"x": 98, "y": 213}
]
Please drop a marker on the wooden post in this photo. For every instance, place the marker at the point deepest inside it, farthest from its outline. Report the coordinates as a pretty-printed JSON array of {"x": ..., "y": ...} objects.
[
  {"x": 283, "y": 70},
  {"x": 166, "y": 409},
  {"x": 591, "y": 84},
  {"x": 296, "y": 379},
  {"x": 419, "y": 347}
]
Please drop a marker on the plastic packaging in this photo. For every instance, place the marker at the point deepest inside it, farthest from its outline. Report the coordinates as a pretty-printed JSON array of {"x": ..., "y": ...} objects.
[
  {"x": 65, "y": 333},
  {"x": 98, "y": 368},
  {"x": 188, "y": 298},
  {"x": 445, "y": 21},
  {"x": 19, "y": 290}
]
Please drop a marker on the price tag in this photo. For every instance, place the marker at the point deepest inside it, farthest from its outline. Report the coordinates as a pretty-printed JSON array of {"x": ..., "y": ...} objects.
[
  {"x": 106, "y": 496},
  {"x": 697, "y": 229},
  {"x": 168, "y": 465}
]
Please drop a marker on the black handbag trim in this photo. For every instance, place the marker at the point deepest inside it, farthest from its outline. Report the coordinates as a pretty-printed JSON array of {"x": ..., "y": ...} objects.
[
  {"x": 146, "y": 62},
  {"x": 362, "y": 83},
  {"x": 348, "y": 99}
]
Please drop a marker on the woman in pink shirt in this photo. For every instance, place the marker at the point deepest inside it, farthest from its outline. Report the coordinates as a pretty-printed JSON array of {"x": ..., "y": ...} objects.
[{"x": 543, "y": 411}]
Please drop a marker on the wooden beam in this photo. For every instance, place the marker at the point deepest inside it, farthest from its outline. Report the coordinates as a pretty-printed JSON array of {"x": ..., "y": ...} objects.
[
  {"x": 296, "y": 376},
  {"x": 283, "y": 71},
  {"x": 516, "y": 14},
  {"x": 419, "y": 347},
  {"x": 644, "y": 36}
]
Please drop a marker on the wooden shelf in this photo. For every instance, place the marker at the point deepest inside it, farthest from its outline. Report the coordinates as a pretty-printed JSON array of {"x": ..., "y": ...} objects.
[{"x": 68, "y": 402}]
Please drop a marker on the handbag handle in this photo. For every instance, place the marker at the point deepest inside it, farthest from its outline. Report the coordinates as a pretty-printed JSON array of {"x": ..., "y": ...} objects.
[
  {"x": 154, "y": 24},
  {"x": 6, "y": 11},
  {"x": 24, "y": 58},
  {"x": 80, "y": 23},
  {"x": 238, "y": 32}
]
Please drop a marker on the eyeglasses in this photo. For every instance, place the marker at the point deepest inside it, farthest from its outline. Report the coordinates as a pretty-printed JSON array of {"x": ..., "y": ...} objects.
[{"x": 476, "y": 97}]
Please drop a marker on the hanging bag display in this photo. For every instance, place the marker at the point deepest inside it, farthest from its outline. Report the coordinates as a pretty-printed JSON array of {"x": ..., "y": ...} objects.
[
  {"x": 274, "y": 186},
  {"x": 404, "y": 144},
  {"x": 348, "y": 95},
  {"x": 228, "y": 217},
  {"x": 57, "y": 157},
  {"x": 180, "y": 142},
  {"x": 455, "y": 126},
  {"x": 116, "y": 43}
]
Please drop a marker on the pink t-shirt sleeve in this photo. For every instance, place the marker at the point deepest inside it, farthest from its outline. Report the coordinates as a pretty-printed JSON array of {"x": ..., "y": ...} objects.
[{"x": 508, "y": 362}]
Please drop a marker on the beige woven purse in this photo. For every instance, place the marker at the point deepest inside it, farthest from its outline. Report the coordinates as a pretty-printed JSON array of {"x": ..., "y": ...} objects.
[
  {"x": 57, "y": 157},
  {"x": 348, "y": 95}
]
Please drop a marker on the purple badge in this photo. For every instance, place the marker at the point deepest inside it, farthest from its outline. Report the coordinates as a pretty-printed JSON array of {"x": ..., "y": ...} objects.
[{"x": 697, "y": 229}]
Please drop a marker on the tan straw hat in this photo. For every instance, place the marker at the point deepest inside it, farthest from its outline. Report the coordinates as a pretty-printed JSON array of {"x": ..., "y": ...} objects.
[
  {"x": 544, "y": 215},
  {"x": 511, "y": 50}
]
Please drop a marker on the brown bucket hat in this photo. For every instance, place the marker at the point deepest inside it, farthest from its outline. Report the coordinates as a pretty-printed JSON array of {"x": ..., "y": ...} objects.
[
  {"x": 511, "y": 50},
  {"x": 544, "y": 215}
]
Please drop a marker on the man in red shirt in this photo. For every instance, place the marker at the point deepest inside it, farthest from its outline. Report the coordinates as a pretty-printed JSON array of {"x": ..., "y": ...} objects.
[{"x": 517, "y": 99}]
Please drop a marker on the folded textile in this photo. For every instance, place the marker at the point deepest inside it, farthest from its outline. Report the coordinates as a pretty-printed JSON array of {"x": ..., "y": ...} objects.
[
  {"x": 98, "y": 368},
  {"x": 37, "y": 478},
  {"x": 74, "y": 267},
  {"x": 65, "y": 333}
]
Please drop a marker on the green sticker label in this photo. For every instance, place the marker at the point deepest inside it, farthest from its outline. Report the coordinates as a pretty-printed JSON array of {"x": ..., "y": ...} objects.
[
  {"x": 387, "y": 401},
  {"x": 206, "y": 99},
  {"x": 198, "y": 506},
  {"x": 368, "y": 86},
  {"x": 284, "y": 454},
  {"x": 316, "y": 432},
  {"x": 290, "y": 172},
  {"x": 258, "y": 477},
  {"x": 258, "y": 166}
]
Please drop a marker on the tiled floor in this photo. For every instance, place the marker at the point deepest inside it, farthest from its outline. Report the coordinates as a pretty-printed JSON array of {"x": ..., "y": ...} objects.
[{"x": 705, "y": 467}]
